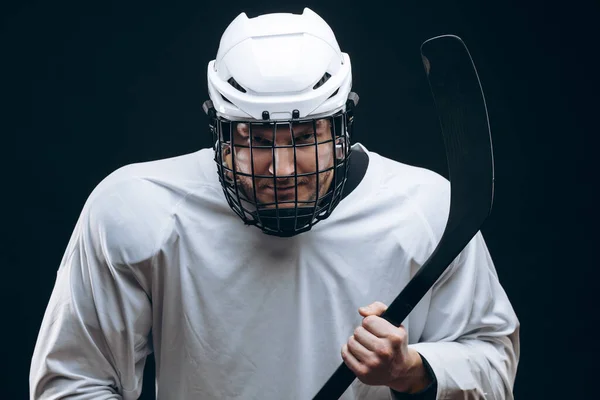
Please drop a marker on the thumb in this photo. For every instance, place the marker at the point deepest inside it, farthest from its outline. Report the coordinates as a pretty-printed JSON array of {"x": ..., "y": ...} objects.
[{"x": 376, "y": 308}]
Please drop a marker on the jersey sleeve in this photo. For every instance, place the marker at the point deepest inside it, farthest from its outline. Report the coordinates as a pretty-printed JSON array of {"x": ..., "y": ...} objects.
[
  {"x": 471, "y": 335},
  {"x": 94, "y": 337},
  {"x": 468, "y": 330}
]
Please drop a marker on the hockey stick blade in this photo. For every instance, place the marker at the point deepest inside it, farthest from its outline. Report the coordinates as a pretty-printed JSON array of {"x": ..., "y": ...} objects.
[{"x": 463, "y": 116}]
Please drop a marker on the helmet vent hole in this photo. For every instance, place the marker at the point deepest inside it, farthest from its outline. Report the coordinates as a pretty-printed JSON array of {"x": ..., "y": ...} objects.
[
  {"x": 236, "y": 85},
  {"x": 323, "y": 79}
]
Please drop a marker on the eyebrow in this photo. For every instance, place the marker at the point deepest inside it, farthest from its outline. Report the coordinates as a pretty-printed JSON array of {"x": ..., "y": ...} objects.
[{"x": 303, "y": 128}]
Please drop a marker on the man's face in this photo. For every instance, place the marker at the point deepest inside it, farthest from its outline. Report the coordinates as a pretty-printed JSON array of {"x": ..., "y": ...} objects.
[{"x": 284, "y": 165}]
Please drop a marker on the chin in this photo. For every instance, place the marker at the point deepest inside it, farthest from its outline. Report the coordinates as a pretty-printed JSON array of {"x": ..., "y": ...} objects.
[
  {"x": 287, "y": 203},
  {"x": 284, "y": 205}
]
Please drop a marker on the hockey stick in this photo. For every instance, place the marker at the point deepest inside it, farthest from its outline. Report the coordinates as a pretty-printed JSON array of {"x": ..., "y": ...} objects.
[{"x": 463, "y": 117}]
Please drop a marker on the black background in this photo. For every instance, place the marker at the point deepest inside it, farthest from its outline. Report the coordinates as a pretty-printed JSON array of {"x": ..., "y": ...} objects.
[{"x": 90, "y": 86}]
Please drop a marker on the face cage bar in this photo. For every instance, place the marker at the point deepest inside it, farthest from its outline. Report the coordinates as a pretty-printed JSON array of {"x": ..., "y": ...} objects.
[{"x": 306, "y": 213}]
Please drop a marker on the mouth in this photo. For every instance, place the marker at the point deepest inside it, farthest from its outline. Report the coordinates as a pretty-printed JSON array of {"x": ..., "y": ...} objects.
[{"x": 282, "y": 188}]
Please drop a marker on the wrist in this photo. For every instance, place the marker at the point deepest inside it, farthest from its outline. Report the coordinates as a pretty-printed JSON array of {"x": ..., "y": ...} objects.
[{"x": 416, "y": 377}]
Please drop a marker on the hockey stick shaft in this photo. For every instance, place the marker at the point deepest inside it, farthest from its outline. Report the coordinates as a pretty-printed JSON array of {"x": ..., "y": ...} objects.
[{"x": 462, "y": 113}]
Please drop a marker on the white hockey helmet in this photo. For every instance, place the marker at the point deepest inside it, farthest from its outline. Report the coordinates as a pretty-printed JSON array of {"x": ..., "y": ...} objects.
[{"x": 278, "y": 63}]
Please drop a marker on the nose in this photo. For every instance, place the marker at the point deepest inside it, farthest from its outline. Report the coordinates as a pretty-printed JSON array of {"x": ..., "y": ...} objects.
[{"x": 283, "y": 165}]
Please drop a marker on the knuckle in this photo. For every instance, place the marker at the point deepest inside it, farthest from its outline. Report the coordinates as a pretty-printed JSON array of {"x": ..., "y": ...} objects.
[
  {"x": 384, "y": 352},
  {"x": 402, "y": 331},
  {"x": 373, "y": 362},
  {"x": 398, "y": 337},
  {"x": 368, "y": 321},
  {"x": 351, "y": 341}
]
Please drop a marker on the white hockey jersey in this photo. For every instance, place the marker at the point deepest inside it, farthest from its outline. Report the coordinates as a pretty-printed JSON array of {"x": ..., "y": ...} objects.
[{"x": 159, "y": 262}]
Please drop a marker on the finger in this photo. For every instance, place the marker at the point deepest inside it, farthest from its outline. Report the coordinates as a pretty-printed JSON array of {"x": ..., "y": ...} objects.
[
  {"x": 351, "y": 361},
  {"x": 382, "y": 328},
  {"x": 367, "y": 339},
  {"x": 360, "y": 352},
  {"x": 376, "y": 308}
]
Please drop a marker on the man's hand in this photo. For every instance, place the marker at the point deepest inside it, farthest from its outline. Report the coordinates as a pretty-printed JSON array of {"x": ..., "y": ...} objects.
[{"x": 378, "y": 354}]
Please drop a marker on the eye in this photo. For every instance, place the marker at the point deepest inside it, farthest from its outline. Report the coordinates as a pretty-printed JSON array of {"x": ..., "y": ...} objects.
[
  {"x": 307, "y": 137},
  {"x": 261, "y": 141}
]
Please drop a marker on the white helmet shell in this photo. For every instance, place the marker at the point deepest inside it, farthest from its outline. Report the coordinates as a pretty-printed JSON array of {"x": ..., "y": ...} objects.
[{"x": 279, "y": 63}]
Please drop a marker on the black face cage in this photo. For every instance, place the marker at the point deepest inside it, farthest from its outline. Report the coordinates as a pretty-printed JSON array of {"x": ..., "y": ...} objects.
[{"x": 273, "y": 217}]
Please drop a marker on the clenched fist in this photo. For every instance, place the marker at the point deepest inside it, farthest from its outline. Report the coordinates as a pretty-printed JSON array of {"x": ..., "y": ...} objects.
[{"x": 378, "y": 354}]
